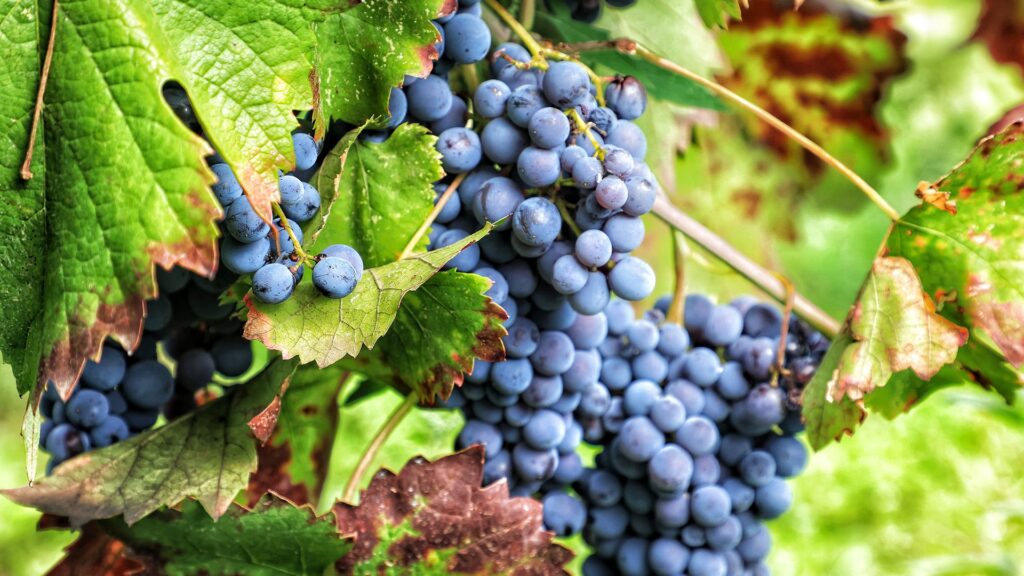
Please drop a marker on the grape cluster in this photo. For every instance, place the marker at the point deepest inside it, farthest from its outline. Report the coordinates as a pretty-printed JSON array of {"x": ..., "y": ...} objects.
[
  {"x": 121, "y": 395},
  {"x": 590, "y": 10},
  {"x": 698, "y": 440}
]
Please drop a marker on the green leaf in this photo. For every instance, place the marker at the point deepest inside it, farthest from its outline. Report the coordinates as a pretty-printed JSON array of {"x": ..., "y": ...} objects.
[
  {"x": 273, "y": 539},
  {"x": 717, "y": 13},
  {"x": 365, "y": 51},
  {"x": 659, "y": 83},
  {"x": 439, "y": 330},
  {"x": 434, "y": 518},
  {"x": 827, "y": 420},
  {"x": 383, "y": 192},
  {"x": 207, "y": 454},
  {"x": 326, "y": 330}
]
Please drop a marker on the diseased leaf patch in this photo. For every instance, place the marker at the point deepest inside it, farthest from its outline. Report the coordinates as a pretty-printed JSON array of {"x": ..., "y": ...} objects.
[
  {"x": 207, "y": 454},
  {"x": 434, "y": 518}
]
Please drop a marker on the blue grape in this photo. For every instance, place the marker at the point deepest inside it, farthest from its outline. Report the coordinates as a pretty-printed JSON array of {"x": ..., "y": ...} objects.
[
  {"x": 631, "y": 279},
  {"x": 698, "y": 309},
  {"x": 789, "y": 454},
  {"x": 467, "y": 39},
  {"x": 497, "y": 467},
  {"x": 640, "y": 439},
  {"x": 724, "y": 325},
  {"x": 398, "y": 107},
  {"x": 587, "y": 172},
  {"x": 587, "y": 142},
  {"x": 140, "y": 419},
  {"x": 762, "y": 320},
  {"x": 607, "y": 523},
  {"x": 773, "y": 499},
  {"x": 451, "y": 209},
  {"x": 570, "y": 156},
  {"x": 536, "y": 221},
  {"x": 334, "y": 277},
  {"x": 429, "y": 98},
  {"x": 595, "y": 401},
  {"x": 732, "y": 384},
  {"x": 477, "y": 432},
  {"x": 693, "y": 536},
  {"x": 763, "y": 408},
  {"x": 650, "y": 366},
  {"x": 710, "y": 505},
  {"x": 639, "y": 397},
  {"x": 107, "y": 373},
  {"x": 538, "y": 167},
  {"x": 620, "y": 317},
  {"x": 195, "y": 369},
  {"x": 740, "y": 494},
  {"x": 570, "y": 468},
  {"x": 523, "y": 103},
  {"x": 548, "y": 128},
  {"x": 715, "y": 408},
  {"x": 110, "y": 431},
  {"x": 534, "y": 465},
  {"x": 588, "y": 331},
  {"x": 467, "y": 259},
  {"x": 232, "y": 355},
  {"x": 554, "y": 355},
  {"x": 290, "y": 189},
  {"x": 273, "y": 283},
  {"x": 755, "y": 545},
  {"x": 603, "y": 118},
  {"x": 733, "y": 448},
  {"x": 706, "y": 470},
  {"x": 498, "y": 198},
  {"x": 568, "y": 276},
  {"x": 460, "y": 150},
  {"x": 522, "y": 281},
  {"x": 632, "y": 557},
  {"x": 668, "y": 414},
  {"x": 627, "y": 97},
  {"x": 611, "y": 193},
  {"x": 563, "y": 514},
  {"x": 616, "y": 373},
  {"x": 707, "y": 563},
  {"x": 670, "y": 470},
  {"x": 87, "y": 408},
  {"x": 227, "y": 188},
  {"x": 667, "y": 557},
  {"x": 618, "y": 162},
  {"x": 499, "y": 286},
  {"x": 566, "y": 84},
  {"x": 642, "y": 194},
  {"x": 543, "y": 391},
  {"x": 643, "y": 335},
  {"x": 306, "y": 208},
  {"x": 306, "y": 150},
  {"x": 594, "y": 295},
  {"x": 147, "y": 385},
  {"x": 439, "y": 45},
  {"x": 505, "y": 51},
  {"x": 518, "y": 414},
  {"x": 116, "y": 402},
  {"x": 455, "y": 117},
  {"x": 245, "y": 258},
  {"x": 559, "y": 319},
  {"x": 672, "y": 511},
  {"x": 703, "y": 367},
  {"x": 698, "y": 435},
  {"x": 512, "y": 376},
  {"x": 64, "y": 442},
  {"x": 242, "y": 222},
  {"x": 490, "y": 98},
  {"x": 628, "y": 136},
  {"x": 593, "y": 248},
  {"x": 545, "y": 430}
]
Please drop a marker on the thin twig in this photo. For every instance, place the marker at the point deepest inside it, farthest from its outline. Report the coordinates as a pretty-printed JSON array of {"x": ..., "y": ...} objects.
[
  {"x": 528, "y": 40},
  {"x": 787, "y": 313},
  {"x": 628, "y": 46},
  {"x": 567, "y": 217},
  {"x": 303, "y": 256},
  {"x": 370, "y": 454},
  {"x": 527, "y": 12},
  {"x": 584, "y": 128},
  {"x": 759, "y": 276},
  {"x": 678, "y": 306},
  {"x": 407, "y": 251},
  {"x": 26, "y": 166}
]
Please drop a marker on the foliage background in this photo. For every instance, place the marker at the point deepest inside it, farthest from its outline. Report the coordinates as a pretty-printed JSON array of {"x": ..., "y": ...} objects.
[{"x": 938, "y": 491}]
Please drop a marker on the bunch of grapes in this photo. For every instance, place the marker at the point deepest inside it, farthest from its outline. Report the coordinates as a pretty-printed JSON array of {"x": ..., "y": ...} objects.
[
  {"x": 698, "y": 438},
  {"x": 121, "y": 395},
  {"x": 590, "y": 10}
]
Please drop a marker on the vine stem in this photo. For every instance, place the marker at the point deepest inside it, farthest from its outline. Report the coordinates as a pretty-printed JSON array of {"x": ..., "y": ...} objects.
[
  {"x": 370, "y": 454},
  {"x": 584, "y": 129},
  {"x": 527, "y": 12},
  {"x": 407, "y": 251},
  {"x": 531, "y": 43},
  {"x": 303, "y": 256},
  {"x": 678, "y": 306},
  {"x": 761, "y": 277},
  {"x": 26, "y": 166},
  {"x": 627, "y": 46},
  {"x": 567, "y": 217}
]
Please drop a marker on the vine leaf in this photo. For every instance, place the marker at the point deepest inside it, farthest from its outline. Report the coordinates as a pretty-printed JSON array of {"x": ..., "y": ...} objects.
[
  {"x": 96, "y": 553},
  {"x": 326, "y": 330},
  {"x": 434, "y": 518},
  {"x": 439, "y": 330},
  {"x": 399, "y": 35},
  {"x": 382, "y": 193},
  {"x": 718, "y": 13},
  {"x": 896, "y": 328},
  {"x": 969, "y": 265},
  {"x": 1000, "y": 27},
  {"x": 274, "y": 538},
  {"x": 207, "y": 454}
]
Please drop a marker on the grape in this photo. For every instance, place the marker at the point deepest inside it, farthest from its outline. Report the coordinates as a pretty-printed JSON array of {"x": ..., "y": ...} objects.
[
  {"x": 587, "y": 172},
  {"x": 710, "y": 505},
  {"x": 559, "y": 319},
  {"x": 147, "y": 384},
  {"x": 304, "y": 210},
  {"x": 543, "y": 391},
  {"x": 755, "y": 545},
  {"x": 607, "y": 523},
  {"x": 116, "y": 402},
  {"x": 588, "y": 142},
  {"x": 593, "y": 248},
  {"x": 566, "y": 84},
  {"x": 668, "y": 414},
  {"x": 732, "y": 384},
  {"x": 733, "y": 448},
  {"x": 693, "y": 536},
  {"x": 789, "y": 454},
  {"x": 505, "y": 51},
  {"x": 107, "y": 373},
  {"x": 642, "y": 194},
  {"x": 568, "y": 276},
  {"x": 627, "y": 136},
  {"x": 763, "y": 408},
  {"x": 439, "y": 45},
  {"x": 611, "y": 193},
  {"x": 534, "y": 465},
  {"x": 498, "y": 198},
  {"x": 536, "y": 222},
  {"x": 232, "y": 356},
  {"x": 497, "y": 467},
  {"x": 740, "y": 493},
  {"x": 757, "y": 468},
  {"x": 698, "y": 309},
  {"x": 639, "y": 397},
  {"x": 195, "y": 369},
  {"x": 398, "y": 107},
  {"x": 306, "y": 150},
  {"x": 512, "y": 376},
  {"x": 245, "y": 258},
  {"x": 706, "y": 563},
  {"x": 554, "y": 355},
  {"x": 520, "y": 276},
  {"x": 570, "y": 156},
  {"x": 631, "y": 279},
  {"x": 467, "y": 39},
  {"x": 773, "y": 499},
  {"x": 173, "y": 280},
  {"x": 626, "y": 97},
  {"x": 703, "y": 367},
  {"x": 242, "y": 222},
  {"x": 429, "y": 98},
  {"x": 456, "y": 116},
  {"x": 464, "y": 261},
  {"x": 272, "y": 283},
  {"x": 538, "y": 167},
  {"x": 724, "y": 325},
  {"x": 594, "y": 295},
  {"x": 64, "y": 442},
  {"x": 618, "y": 162},
  {"x": 595, "y": 401},
  {"x": 87, "y": 408},
  {"x": 110, "y": 431},
  {"x": 563, "y": 514},
  {"x": 477, "y": 432},
  {"x": 667, "y": 557},
  {"x": 672, "y": 511},
  {"x": 640, "y": 439},
  {"x": 632, "y": 557},
  {"x": 548, "y": 128},
  {"x": 570, "y": 468},
  {"x": 226, "y": 189},
  {"x": 490, "y": 98},
  {"x": 523, "y": 103},
  {"x": 334, "y": 277},
  {"x": 460, "y": 150},
  {"x": 290, "y": 188},
  {"x": 670, "y": 470},
  {"x": 698, "y": 435},
  {"x": 620, "y": 317}
]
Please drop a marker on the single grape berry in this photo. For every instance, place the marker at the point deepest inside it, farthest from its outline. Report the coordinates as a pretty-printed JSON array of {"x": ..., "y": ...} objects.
[{"x": 334, "y": 277}]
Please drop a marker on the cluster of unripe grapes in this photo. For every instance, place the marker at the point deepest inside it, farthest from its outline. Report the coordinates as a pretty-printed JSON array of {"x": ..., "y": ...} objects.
[{"x": 121, "y": 395}]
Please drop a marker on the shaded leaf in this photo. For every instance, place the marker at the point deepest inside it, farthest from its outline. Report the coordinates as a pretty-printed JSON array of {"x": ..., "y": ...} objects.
[
  {"x": 434, "y": 518},
  {"x": 365, "y": 51},
  {"x": 207, "y": 454},
  {"x": 274, "y": 538},
  {"x": 325, "y": 330},
  {"x": 439, "y": 330},
  {"x": 95, "y": 553},
  {"x": 825, "y": 420},
  {"x": 328, "y": 179},
  {"x": 894, "y": 327},
  {"x": 1000, "y": 28},
  {"x": 383, "y": 192}
]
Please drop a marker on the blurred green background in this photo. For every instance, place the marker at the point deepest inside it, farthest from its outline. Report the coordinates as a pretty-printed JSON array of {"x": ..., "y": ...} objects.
[{"x": 935, "y": 492}]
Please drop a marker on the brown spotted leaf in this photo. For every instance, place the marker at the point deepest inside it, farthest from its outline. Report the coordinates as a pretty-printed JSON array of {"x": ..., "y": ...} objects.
[
  {"x": 95, "y": 553},
  {"x": 440, "y": 329},
  {"x": 1001, "y": 27},
  {"x": 434, "y": 518},
  {"x": 207, "y": 455}
]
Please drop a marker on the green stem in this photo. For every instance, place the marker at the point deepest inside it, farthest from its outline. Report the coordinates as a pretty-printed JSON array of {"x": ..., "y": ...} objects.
[
  {"x": 528, "y": 40},
  {"x": 374, "y": 448},
  {"x": 584, "y": 129},
  {"x": 303, "y": 256},
  {"x": 411, "y": 245},
  {"x": 527, "y": 12},
  {"x": 567, "y": 217},
  {"x": 678, "y": 306}
]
